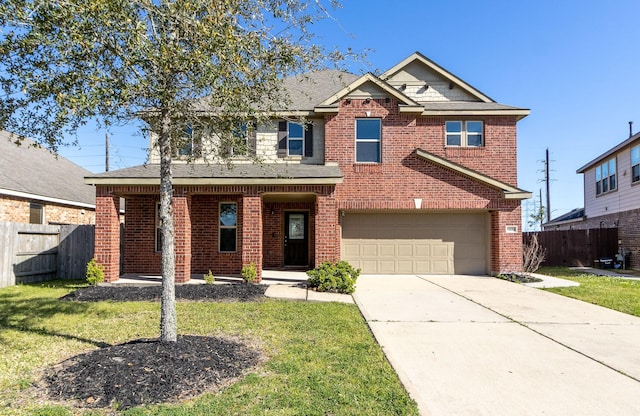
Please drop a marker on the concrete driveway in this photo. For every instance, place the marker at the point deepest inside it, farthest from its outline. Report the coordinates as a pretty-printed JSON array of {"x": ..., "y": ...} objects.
[{"x": 467, "y": 345}]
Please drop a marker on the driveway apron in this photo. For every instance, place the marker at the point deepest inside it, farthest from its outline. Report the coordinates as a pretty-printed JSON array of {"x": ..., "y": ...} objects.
[{"x": 468, "y": 345}]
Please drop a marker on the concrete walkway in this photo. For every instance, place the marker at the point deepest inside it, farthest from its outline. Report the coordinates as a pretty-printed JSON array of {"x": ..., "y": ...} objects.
[{"x": 465, "y": 345}]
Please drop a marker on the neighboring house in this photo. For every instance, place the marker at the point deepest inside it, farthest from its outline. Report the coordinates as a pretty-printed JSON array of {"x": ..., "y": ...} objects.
[
  {"x": 39, "y": 188},
  {"x": 565, "y": 221},
  {"x": 412, "y": 171},
  {"x": 612, "y": 196}
]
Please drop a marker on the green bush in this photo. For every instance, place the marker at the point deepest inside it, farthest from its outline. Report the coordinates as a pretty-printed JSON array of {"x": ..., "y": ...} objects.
[
  {"x": 95, "y": 272},
  {"x": 209, "y": 278},
  {"x": 334, "y": 277},
  {"x": 249, "y": 272}
]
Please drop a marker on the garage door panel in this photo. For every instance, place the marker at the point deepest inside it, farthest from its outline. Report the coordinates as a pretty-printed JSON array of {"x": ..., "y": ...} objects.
[{"x": 404, "y": 243}]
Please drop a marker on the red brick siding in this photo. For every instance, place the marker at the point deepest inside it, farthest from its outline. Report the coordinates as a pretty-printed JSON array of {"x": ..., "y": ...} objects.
[
  {"x": 252, "y": 232},
  {"x": 273, "y": 231},
  {"x": 402, "y": 176},
  {"x": 107, "y": 233},
  {"x": 182, "y": 227},
  {"x": 327, "y": 236}
]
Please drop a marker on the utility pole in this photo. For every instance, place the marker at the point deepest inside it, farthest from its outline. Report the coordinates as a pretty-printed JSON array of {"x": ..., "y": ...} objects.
[
  {"x": 106, "y": 152},
  {"x": 548, "y": 181}
]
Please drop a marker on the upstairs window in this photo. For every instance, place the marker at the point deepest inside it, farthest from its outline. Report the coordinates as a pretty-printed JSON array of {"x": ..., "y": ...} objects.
[
  {"x": 635, "y": 164},
  {"x": 464, "y": 133},
  {"x": 368, "y": 140},
  {"x": 295, "y": 143},
  {"x": 606, "y": 177},
  {"x": 186, "y": 145}
]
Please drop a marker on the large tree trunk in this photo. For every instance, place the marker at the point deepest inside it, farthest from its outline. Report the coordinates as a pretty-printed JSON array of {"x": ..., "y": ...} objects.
[{"x": 168, "y": 319}]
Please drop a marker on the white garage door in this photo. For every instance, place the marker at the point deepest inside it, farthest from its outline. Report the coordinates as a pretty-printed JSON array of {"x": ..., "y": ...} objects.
[{"x": 416, "y": 243}]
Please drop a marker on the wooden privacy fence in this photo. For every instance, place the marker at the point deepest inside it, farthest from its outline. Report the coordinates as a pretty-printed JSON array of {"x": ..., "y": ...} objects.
[
  {"x": 34, "y": 252},
  {"x": 574, "y": 248}
]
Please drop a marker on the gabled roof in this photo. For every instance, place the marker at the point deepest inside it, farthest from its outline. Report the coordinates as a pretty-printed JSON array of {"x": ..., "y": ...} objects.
[
  {"x": 223, "y": 174},
  {"x": 306, "y": 91},
  {"x": 509, "y": 192},
  {"x": 417, "y": 56},
  {"x": 406, "y": 103},
  {"x": 36, "y": 173},
  {"x": 610, "y": 152}
]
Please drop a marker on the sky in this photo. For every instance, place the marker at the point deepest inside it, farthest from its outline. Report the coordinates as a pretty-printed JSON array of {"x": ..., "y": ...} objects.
[{"x": 574, "y": 64}]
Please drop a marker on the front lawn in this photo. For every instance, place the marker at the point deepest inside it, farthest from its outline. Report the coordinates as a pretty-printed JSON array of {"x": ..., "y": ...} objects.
[
  {"x": 322, "y": 357},
  {"x": 611, "y": 292}
]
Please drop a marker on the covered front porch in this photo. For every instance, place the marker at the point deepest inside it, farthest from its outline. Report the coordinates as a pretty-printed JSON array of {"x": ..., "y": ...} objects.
[{"x": 279, "y": 223}]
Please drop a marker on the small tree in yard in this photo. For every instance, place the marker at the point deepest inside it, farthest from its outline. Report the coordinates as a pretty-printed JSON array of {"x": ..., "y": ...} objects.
[
  {"x": 199, "y": 63},
  {"x": 533, "y": 254}
]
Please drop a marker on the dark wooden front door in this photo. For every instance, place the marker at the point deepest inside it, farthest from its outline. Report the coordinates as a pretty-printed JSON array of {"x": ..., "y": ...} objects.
[{"x": 296, "y": 239}]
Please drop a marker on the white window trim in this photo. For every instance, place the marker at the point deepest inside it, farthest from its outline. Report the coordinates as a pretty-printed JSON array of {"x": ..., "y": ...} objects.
[
  {"x": 464, "y": 142},
  {"x": 608, "y": 178},
  {"x": 378, "y": 140},
  {"x": 301, "y": 139},
  {"x": 220, "y": 226},
  {"x": 636, "y": 148}
]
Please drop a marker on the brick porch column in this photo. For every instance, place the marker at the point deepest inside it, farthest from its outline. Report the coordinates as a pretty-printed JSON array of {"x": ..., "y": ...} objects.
[
  {"x": 107, "y": 233},
  {"x": 182, "y": 228},
  {"x": 252, "y": 232},
  {"x": 327, "y": 237},
  {"x": 506, "y": 248}
]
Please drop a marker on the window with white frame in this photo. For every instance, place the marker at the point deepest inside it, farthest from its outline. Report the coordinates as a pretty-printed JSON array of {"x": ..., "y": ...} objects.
[
  {"x": 228, "y": 227},
  {"x": 606, "y": 177},
  {"x": 295, "y": 139},
  {"x": 464, "y": 133},
  {"x": 368, "y": 140},
  {"x": 186, "y": 145},
  {"x": 635, "y": 164}
]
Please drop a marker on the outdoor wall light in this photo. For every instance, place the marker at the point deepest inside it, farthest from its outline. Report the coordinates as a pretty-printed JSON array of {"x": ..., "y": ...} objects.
[
  {"x": 403, "y": 87},
  {"x": 451, "y": 85},
  {"x": 387, "y": 100},
  {"x": 272, "y": 211},
  {"x": 367, "y": 101},
  {"x": 347, "y": 101},
  {"x": 426, "y": 87}
]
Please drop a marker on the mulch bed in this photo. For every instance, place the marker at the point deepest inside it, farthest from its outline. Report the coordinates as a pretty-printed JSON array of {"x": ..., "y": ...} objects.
[
  {"x": 221, "y": 293},
  {"x": 148, "y": 371},
  {"x": 518, "y": 278}
]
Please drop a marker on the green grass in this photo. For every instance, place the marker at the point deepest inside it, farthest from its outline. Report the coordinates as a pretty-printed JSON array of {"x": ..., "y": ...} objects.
[
  {"x": 614, "y": 293},
  {"x": 322, "y": 359}
]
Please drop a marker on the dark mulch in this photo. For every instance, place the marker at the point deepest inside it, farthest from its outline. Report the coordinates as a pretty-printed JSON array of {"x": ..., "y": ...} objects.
[
  {"x": 148, "y": 371},
  {"x": 230, "y": 292},
  {"x": 518, "y": 277}
]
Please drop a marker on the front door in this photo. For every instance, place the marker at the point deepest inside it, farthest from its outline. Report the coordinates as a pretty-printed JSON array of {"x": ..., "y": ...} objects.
[{"x": 296, "y": 239}]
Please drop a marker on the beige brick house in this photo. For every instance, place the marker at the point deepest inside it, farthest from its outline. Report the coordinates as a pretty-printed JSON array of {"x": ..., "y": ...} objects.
[
  {"x": 412, "y": 171},
  {"x": 39, "y": 188}
]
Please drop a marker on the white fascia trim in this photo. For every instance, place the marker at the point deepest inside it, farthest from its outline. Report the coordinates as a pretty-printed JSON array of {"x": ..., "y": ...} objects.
[
  {"x": 26, "y": 195},
  {"x": 519, "y": 113}
]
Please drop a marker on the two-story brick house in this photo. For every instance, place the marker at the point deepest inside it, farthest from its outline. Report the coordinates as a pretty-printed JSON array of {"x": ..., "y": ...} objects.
[
  {"x": 611, "y": 197},
  {"x": 412, "y": 171}
]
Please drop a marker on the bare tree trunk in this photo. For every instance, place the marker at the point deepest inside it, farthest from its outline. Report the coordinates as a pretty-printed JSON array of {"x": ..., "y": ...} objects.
[{"x": 168, "y": 319}]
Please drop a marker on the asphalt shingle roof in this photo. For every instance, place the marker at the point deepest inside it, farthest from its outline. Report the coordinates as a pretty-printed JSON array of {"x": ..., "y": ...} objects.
[
  {"x": 244, "y": 171},
  {"x": 37, "y": 171}
]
